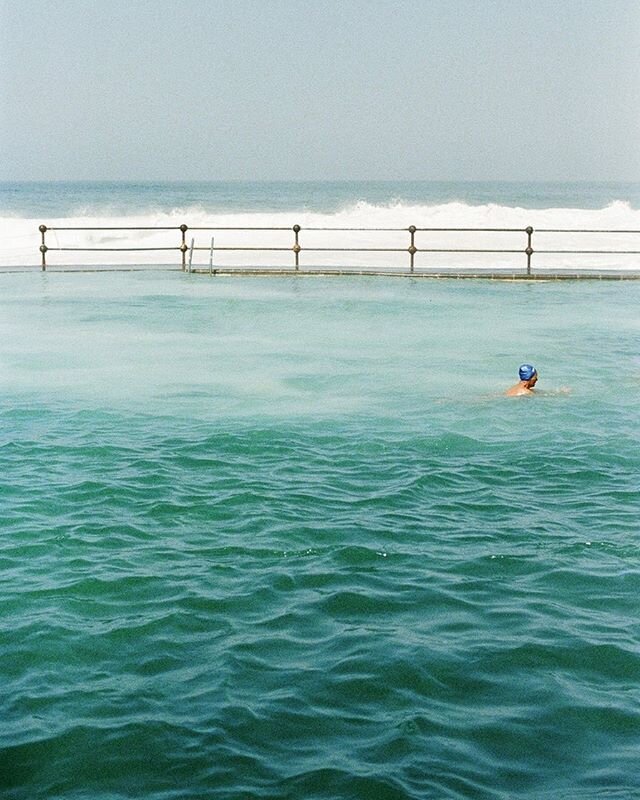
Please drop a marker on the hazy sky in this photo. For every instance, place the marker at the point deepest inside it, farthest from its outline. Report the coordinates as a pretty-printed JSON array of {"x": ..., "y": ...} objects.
[{"x": 311, "y": 89}]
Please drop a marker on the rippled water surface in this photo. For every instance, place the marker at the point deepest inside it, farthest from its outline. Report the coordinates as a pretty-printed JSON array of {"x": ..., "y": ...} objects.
[{"x": 270, "y": 538}]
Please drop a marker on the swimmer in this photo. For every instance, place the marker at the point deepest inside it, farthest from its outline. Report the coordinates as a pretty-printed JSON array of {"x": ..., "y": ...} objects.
[{"x": 528, "y": 379}]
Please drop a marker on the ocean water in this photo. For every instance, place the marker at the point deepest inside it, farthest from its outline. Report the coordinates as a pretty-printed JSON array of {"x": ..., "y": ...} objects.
[
  {"x": 286, "y": 538},
  {"x": 160, "y": 208}
]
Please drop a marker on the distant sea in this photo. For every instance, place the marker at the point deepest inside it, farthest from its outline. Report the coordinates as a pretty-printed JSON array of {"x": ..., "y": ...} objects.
[
  {"x": 373, "y": 204},
  {"x": 287, "y": 538},
  {"x": 95, "y": 198}
]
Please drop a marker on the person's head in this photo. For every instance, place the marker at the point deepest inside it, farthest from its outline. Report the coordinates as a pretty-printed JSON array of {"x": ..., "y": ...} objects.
[{"x": 528, "y": 375}]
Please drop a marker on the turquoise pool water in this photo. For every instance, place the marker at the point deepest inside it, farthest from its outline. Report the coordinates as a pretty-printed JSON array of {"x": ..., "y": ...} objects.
[{"x": 272, "y": 538}]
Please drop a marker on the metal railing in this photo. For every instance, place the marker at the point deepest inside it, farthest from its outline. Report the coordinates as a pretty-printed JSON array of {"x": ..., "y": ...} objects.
[{"x": 297, "y": 247}]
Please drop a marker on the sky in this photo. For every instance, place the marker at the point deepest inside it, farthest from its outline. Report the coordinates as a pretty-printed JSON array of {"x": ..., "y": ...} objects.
[{"x": 320, "y": 89}]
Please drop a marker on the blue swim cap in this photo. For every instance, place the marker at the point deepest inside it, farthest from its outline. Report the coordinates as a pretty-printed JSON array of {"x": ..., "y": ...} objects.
[{"x": 526, "y": 372}]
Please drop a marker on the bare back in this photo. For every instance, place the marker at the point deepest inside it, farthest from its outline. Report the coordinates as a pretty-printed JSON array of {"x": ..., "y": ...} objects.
[{"x": 518, "y": 390}]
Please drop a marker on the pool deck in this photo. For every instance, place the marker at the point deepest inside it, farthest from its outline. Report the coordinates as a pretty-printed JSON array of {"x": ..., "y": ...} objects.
[
  {"x": 275, "y": 271},
  {"x": 501, "y": 275}
]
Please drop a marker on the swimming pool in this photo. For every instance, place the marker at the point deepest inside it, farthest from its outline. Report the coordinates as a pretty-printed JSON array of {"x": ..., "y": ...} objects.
[{"x": 287, "y": 538}]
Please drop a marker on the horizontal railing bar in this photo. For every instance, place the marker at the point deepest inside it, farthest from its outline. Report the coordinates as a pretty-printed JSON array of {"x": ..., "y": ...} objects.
[
  {"x": 119, "y": 228},
  {"x": 383, "y": 230},
  {"x": 462, "y": 250},
  {"x": 288, "y": 228},
  {"x": 351, "y": 250},
  {"x": 334, "y": 249},
  {"x": 302, "y": 228},
  {"x": 593, "y": 252},
  {"x": 216, "y": 228},
  {"x": 398, "y": 250},
  {"x": 373, "y": 230},
  {"x": 458, "y": 230},
  {"x": 277, "y": 249},
  {"x": 108, "y": 249},
  {"x": 321, "y": 249},
  {"x": 581, "y": 230},
  {"x": 363, "y": 249}
]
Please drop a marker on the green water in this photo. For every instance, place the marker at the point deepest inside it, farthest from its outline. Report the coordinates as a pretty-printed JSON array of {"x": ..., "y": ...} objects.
[{"x": 286, "y": 539}]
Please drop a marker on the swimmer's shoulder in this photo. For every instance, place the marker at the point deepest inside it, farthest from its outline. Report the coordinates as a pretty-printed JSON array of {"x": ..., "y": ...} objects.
[{"x": 518, "y": 391}]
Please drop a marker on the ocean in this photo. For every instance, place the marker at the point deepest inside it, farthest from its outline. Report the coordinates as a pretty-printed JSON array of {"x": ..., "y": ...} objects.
[
  {"x": 285, "y": 537},
  {"x": 160, "y": 208}
]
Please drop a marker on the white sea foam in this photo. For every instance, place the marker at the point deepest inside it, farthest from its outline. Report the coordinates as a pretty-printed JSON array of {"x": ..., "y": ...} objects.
[{"x": 20, "y": 238}]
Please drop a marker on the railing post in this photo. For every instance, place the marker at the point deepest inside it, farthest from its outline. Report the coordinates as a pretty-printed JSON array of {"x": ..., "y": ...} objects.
[
  {"x": 183, "y": 246},
  {"x": 43, "y": 247},
  {"x": 211, "y": 257},
  {"x": 529, "y": 250},
  {"x": 296, "y": 247},
  {"x": 412, "y": 247}
]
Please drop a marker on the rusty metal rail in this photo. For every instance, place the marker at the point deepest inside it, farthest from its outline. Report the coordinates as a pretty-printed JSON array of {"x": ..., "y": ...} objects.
[{"x": 296, "y": 248}]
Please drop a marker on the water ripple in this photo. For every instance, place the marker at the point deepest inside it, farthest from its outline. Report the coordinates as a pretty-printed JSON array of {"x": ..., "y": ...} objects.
[{"x": 300, "y": 610}]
